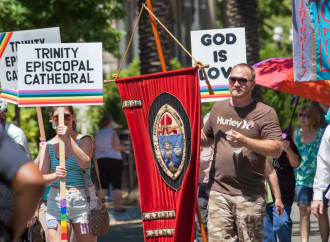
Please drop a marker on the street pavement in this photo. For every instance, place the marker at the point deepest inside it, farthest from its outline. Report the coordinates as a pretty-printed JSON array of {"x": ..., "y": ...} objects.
[{"x": 127, "y": 226}]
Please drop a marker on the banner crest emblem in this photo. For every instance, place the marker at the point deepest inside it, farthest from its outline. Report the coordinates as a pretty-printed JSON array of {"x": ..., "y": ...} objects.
[{"x": 170, "y": 136}]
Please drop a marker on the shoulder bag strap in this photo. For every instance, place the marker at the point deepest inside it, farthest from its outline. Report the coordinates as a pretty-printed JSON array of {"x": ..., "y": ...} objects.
[{"x": 101, "y": 199}]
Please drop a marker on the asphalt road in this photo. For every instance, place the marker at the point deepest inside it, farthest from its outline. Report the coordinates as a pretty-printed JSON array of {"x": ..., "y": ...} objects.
[{"x": 128, "y": 226}]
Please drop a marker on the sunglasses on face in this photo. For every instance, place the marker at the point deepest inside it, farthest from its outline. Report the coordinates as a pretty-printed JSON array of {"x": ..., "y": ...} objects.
[
  {"x": 240, "y": 80},
  {"x": 67, "y": 117},
  {"x": 303, "y": 115}
]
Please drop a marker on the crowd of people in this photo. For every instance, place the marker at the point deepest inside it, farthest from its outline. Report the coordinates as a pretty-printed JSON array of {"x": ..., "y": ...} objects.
[{"x": 242, "y": 145}]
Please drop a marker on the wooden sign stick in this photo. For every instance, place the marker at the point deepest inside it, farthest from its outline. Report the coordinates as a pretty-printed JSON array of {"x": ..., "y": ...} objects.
[
  {"x": 41, "y": 125},
  {"x": 62, "y": 180}
]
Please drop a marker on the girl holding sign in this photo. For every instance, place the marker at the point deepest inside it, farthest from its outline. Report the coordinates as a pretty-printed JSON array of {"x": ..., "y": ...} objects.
[{"x": 78, "y": 154}]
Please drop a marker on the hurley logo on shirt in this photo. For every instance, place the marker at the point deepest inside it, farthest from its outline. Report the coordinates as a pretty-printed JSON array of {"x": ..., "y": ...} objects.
[{"x": 239, "y": 124}]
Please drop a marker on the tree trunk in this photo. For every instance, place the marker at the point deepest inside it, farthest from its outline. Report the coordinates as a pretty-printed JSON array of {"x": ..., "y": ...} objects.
[
  {"x": 243, "y": 13},
  {"x": 149, "y": 57}
]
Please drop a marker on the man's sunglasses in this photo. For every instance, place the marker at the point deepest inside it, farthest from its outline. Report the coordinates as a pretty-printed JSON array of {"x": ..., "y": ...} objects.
[
  {"x": 300, "y": 115},
  {"x": 240, "y": 80},
  {"x": 67, "y": 117}
]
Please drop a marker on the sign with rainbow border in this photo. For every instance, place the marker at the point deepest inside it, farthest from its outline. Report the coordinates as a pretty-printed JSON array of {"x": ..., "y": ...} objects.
[
  {"x": 60, "y": 74},
  {"x": 221, "y": 49},
  {"x": 9, "y": 41}
]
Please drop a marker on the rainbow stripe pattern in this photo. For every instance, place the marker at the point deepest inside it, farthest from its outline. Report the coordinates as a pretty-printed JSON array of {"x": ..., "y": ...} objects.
[
  {"x": 60, "y": 97},
  {"x": 220, "y": 91},
  {"x": 64, "y": 231},
  {"x": 4, "y": 40},
  {"x": 9, "y": 95}
]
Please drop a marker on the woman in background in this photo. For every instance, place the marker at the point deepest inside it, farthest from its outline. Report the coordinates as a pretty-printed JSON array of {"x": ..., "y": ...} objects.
[
  {"x": 108, "y": 153},
  {"x": 308, "y": 139}
]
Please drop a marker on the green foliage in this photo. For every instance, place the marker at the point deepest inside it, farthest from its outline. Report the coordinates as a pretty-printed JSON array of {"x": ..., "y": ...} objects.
[
  {"x": 268, "y": 45},
  {"x": 280, "y": 101},
  {"x": 273, "y": 13},
  {"x": 12, "y": 13},
  {"x": 79, "y": 20},
  {"x": 175, "y": 64},
  {"x": 206, "y": 107},
  {"x": 271, "y": 50}
]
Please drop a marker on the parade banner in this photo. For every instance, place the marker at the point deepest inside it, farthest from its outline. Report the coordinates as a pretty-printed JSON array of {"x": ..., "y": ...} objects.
[
  {"x": 311, "y": 34},
  {"x": 9, "y": 42},
  {"x": 60, "y": 74},
  {"x": 163, "y": 115},
  {"x": 221, "y": 49}
]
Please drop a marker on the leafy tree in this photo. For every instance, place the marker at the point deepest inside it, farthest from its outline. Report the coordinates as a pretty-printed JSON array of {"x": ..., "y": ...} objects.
[{"x": 79, "y": 20}]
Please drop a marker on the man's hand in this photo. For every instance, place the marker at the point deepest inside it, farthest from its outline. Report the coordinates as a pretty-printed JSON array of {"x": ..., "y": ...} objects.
[
  {"x": 234, "y": 138},
  {"x": 317, "y": 208},
  {"x": 279, "y": 207}
]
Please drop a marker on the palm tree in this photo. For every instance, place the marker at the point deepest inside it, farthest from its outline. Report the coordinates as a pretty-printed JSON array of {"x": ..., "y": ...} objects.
[
  {"x": 149, "y": 58},
  {"x": 243, "y": 13}
]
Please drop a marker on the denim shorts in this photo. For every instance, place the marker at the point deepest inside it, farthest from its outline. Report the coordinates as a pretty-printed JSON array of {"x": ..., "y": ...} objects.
[
  {"x": 77, "y": 207},
  {"x": 305, "y": 196}
]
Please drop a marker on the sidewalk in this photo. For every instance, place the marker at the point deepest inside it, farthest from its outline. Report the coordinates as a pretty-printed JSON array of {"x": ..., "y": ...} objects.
[{"x": 131, "y": 202}]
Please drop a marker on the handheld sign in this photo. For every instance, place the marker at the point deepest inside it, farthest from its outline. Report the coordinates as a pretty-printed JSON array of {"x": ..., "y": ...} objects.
[
  {"x": 221, "y": 49},
  {"x": 9, "y": 42},
  {"x": 60, "y": 74}
]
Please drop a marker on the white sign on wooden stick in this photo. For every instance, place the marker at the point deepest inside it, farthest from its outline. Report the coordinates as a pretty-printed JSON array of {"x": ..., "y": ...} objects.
[
  {"x": 60, "y": 74},
  {"x": 221, "y": 49}
]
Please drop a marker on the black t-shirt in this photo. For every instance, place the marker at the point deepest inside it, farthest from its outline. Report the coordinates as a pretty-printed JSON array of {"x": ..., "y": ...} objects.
[
  {"x": 12, "y": 157},
  {"x": 285, "y": 174}
]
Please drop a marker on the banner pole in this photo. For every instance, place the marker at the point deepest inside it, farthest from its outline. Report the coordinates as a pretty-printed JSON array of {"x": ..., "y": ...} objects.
[
  {"x": 154, "y": 29},
  {"x": 293, "y": 113},
  {"x": 62, "y": 180},
  {"x": 200, "y": 221}
]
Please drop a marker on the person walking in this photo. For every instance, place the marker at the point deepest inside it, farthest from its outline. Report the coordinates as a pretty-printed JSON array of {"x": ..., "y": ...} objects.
[
  {"x": 244, "y": 131},
  {"x": 18, "y": 171},
  {"x": 78, "y": 154},
  {"x": 281, "y": 226},
  {"x": 308, "y": 139},
  {"x": 108, "y": 153}
]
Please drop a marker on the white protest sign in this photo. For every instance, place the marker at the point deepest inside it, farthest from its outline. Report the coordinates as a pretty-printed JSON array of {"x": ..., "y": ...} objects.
[
  {"x": 9, "y": 41},
  {"x": 221, "y": 49},
  {"x": 60, "y": 74}
]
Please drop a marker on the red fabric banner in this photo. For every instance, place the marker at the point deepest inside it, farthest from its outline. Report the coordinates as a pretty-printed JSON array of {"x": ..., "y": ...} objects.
[{"x": 163, "y": 112}]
